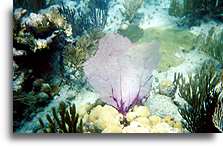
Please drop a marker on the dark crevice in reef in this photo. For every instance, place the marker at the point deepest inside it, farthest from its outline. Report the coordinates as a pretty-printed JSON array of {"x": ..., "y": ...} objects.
[{"x": 37, "y": 64}]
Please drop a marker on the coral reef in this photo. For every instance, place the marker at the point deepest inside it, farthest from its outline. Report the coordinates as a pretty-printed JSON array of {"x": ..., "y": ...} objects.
[
  {"x": 93, "y": 17},
  {"x": 75, "y": 54},
  {"x": 131, "y": 8},
  {"x": 38, "y": 44},
  {"x": 32, "y": 5},
  {"x": 37, "y": 29},
  {"x": 138, "y": 111},
  {"x": 70, "y": 15},
  {"x": 175, "y": 8},
  {"x": 191, "y": 11},
  {"x": 201, "y": 97},
  {"x": 121, "y": 72},
  {"x": 107, "y": 119},
  {"x": 39, "y": 36},
  {"x": 62, "y": 120},
  {"x": 133, "y": 32},
  {"x": 26, "y": 104},
  {"x": 85, "y": 47},
  {"x": 211, "y": 43},
  {"x": 158, "y": 106},
  {"x": 117, "y": 66},
  {"x": 167, "y": 88},
  {"x": 218, "y": 115},
  {"x": 98, "y": 10}
]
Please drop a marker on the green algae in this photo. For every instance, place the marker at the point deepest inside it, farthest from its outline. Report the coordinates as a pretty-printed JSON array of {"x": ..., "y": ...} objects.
[
  {"x": 171, "y": 41},
  {"x": 133, "y": 32}
]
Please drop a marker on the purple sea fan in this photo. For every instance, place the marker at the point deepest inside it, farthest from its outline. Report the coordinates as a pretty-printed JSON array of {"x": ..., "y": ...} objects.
[{"x": 121, "y": 72}]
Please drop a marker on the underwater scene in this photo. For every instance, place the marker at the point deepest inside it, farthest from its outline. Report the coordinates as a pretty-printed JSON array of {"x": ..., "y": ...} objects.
[{"x": 117, "y": 66}]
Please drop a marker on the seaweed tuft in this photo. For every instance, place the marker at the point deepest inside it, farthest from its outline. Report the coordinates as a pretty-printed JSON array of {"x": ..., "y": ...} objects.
[
  {"x": 201, "y": 97},
  {"x": 62, "y": 120}
]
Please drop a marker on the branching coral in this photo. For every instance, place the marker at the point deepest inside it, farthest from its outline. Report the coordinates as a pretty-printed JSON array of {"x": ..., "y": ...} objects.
[
  {"x": 98, "y": 13},
  {"x": 93, "y": 18},
  {"x": 121, "y": 72},
  {"x": 201, "y": 97},
  {"x": 130, "y": 9},
  {"x": 67, "y": 121}
]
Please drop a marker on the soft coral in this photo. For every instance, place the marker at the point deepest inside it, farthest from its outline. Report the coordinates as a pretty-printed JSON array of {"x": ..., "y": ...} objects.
[{"x": 121, "y": 71}]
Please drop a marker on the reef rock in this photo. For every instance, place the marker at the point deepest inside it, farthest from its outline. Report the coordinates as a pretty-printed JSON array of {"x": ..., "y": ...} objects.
[
  {"x": 38, "y": 44},
  {"x": 38, "y": 31},
  {"x": 162, "y": 106},
  {"x": 38, "y": 36},
  {"x": 167, "y": 88}
]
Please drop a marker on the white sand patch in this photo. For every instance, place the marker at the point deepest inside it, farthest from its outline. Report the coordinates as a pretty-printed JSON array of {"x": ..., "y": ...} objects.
[{"x": 156, "y": 15}]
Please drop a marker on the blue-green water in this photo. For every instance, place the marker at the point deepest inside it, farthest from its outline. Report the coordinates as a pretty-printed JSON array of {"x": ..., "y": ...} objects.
[{"x": 117, "y": 61}]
